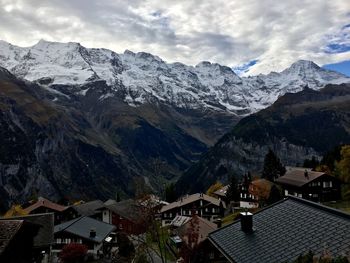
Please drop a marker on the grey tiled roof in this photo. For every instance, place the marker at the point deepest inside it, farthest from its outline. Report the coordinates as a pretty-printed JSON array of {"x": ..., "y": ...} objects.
[
  {"x": 285, "y": 230},
  {"x": 44, "y": 237},
  {"x": 89, "y": 208},
  {"x": 297, "y": 177},
  {"x": 8, "y": 229},
  {"x": 190, "y": 199},
  {"x": 83, "y": 225},
  {"x": 129, "y": 209}
]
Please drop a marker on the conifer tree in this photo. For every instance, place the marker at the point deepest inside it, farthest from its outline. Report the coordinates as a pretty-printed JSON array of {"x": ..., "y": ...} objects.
[{"x": 273, "y": 167}]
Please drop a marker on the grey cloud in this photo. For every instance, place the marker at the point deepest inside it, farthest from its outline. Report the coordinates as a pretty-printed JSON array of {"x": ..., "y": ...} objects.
[{"x": 229, "y": 32}]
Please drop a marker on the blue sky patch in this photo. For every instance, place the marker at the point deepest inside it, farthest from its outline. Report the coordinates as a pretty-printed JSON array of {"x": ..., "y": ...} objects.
[
  {"x": 337, "y": 48},
  {"x": 239, "y": 70},
  {"x": 342, "y": 67}
]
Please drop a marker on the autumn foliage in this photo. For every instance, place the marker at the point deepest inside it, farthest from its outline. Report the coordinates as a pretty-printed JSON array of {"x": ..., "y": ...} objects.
[{"x": 73, "y": 253}]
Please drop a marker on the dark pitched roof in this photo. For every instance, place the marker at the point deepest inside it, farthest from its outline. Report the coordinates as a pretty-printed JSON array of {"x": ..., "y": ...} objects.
[
  {"x": 128, "y": 209},
  {"x": 204, "y": 228},
  {"x": 83, "y": 225},
  {"x": 285, "y": 230},
  {"x": 89, "y": 208},
  {"x": 8, "y": 229},
  {"x": 43, "y": 202},
  {"x": 45, "y": 221},
  {"x": 222, "y": 191},
  {"x": 190, "y": 199},
  {"x": 297, "y": 177}
]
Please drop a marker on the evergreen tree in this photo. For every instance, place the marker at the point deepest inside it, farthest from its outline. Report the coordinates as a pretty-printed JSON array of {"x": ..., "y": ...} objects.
[
  {"x": 273, "y": 167},
  {"x": 232, "y": 193},
  {"x": 313, "y": 163},
  {"x": 170, "y": 193},
  {"x": 275, "y": 195}
]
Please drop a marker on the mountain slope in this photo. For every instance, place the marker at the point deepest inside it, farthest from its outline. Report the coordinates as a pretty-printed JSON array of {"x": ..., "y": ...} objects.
[
  {"x": 297, "y": 126},
  {"x": 57, "y": 145},
  {"x": 143, "y": 78}
]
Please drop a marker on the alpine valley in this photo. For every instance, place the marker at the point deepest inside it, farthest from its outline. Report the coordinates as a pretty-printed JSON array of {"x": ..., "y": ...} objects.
[{"x": 88, "y": 123}]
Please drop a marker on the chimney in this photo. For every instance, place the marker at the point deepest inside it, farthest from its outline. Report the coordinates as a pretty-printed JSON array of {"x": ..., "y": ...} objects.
[
  {"x": 246, "y": 222},
  {"x": 93, "y": 233},
  {"x": 306, "y": 174}
]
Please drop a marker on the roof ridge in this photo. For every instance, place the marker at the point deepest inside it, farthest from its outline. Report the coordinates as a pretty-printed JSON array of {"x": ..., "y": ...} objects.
[
  {"x": 320, "y": 206},
  {"x": 238, "y": 220},
  {"x": 23, "y": 216},
  {"x": 73, "y": 221}
]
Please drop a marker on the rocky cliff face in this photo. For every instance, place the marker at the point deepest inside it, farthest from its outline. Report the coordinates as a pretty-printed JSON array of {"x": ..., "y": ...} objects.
[{"x": 296, "y": 127}]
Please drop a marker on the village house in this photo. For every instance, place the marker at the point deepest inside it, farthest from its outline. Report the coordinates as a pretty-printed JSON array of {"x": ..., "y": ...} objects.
[
  {"x": 283, "y": 231},
  {"x": 43, "y": 205},
  {"x": 43, "y": 238},
  {"x": 200, "y": 204},
  {"x": 246, "y": 198},
  {"x": 91, "y": 209},
  {"x": 315, "y": 186},
  {"x": 127, "y": 216},
  {"x": 192, "y": 232},
  {"x": 94, "y": 234}
]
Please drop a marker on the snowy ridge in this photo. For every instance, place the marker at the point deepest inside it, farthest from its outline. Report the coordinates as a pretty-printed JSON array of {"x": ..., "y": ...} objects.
[{"x": 144, "y": 78}]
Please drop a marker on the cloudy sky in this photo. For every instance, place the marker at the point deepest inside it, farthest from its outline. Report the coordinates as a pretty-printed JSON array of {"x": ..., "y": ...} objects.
[{"x": 252, "y": 36}]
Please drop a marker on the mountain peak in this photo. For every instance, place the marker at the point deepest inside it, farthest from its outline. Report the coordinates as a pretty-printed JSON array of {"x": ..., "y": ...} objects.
[{"x": 304, "y": 64}]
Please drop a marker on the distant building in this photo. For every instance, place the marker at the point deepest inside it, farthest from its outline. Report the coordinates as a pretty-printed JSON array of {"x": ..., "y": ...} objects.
[
  {"x": 315, "y": 186},
  {"x": 203, "y": 205},
  {"x": 246, "y": 198},
  {"x": 197, "y": 229},
  {"x": 43, "y": 205},
  {"x": 283, "y": 231},
  {"x": 44, "y": 236},
  {"x": 259, "y": 191},
  {"x": 84, "y": 230},
  {"x": 128, "y": 216},
  {"x": 90, "y": 209}
]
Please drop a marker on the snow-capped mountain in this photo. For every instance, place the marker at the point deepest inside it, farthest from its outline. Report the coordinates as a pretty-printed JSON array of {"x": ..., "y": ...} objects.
[{"x": 142, "y": 77}]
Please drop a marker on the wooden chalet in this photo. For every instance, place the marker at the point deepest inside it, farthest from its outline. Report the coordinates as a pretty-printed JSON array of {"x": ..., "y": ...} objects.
[
  {"x": 315, "y": 186},
  {"x": 200, "y": 204}
]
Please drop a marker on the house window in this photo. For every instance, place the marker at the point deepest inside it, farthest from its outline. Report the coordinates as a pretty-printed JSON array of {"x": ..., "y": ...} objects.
[
  {"x": 319, "y": 183},
  {"x": 286, "y": 192},
  {"x": 120, "y": 226},
  {"x": 213, "y": 210},
  {"x": 241, "y": 195},
  {"x": 58, "y": 241},
  {"x": 206, "y": 209},
  {"x": 171, "y": 214},
  {"x": 327, "y": 184},
  {"x": 211, "y": 255}
]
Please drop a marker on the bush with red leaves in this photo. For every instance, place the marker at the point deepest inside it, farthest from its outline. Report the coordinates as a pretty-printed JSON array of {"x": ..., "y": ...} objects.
[{"x": 73, "y": 253}]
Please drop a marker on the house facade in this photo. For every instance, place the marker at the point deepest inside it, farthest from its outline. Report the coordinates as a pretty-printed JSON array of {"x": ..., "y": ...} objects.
[
  {"x": 92, "y": 233},
  {"x": 127, "y": 216},
  {"x": 311, "y": 185},
  {"x": 200, "y": 204}
]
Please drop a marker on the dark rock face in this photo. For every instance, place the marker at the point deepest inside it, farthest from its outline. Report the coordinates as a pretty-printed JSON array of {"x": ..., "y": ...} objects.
[
  {"x": 297, "y": 126},
  {"x": 65, "y": 145}
]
